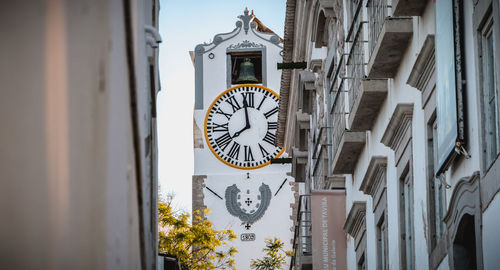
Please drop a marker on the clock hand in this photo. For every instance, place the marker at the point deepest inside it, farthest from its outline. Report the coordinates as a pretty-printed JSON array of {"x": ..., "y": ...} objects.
[
  {"x": 247, "y": 121},
  {"x": 280, "y": 187},
  {"x": 236, "y": 134},
  {"x": 214, "y": 192}
]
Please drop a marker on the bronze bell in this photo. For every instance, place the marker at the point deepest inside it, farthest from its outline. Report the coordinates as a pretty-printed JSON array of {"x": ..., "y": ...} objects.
[{"x": 247, "y": 73}]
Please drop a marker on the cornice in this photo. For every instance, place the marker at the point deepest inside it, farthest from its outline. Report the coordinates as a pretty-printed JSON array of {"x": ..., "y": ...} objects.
[
  {"x": 424, "y": 65},
  {"x": 400, "y": 122},
  {"x": 335, "y": 182},
  {"x": 356, "y": 218},
  {"x": 373, "y": 180}
]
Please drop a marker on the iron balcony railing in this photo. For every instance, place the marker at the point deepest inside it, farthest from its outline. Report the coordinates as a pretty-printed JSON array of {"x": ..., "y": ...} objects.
[
  {"x": 302, "y": 239},
  {"x": 355, "y": 68},
  {"x": 350, "y": 70},
  {"x": 378, "y": 11},
  {"x": 338, "y": 121},
  {"x": 319, "y": 145},
  {"x": 356, "y": 22}
]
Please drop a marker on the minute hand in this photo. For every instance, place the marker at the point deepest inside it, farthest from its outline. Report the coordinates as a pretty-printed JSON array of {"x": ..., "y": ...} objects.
[{"x": 247, "y": 122}]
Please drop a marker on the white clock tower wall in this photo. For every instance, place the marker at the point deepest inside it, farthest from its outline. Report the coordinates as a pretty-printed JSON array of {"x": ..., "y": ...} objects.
[{"x": 249, "y": 201}]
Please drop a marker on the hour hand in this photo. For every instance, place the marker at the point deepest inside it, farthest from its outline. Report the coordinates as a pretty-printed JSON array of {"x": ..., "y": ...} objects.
[{"x": 236, "y": 134}]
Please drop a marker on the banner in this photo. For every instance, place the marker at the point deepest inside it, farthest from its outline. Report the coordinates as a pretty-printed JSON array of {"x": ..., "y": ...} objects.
[
  {"x": 328, "y": 236},
  {"x": 449, "y": 99}
]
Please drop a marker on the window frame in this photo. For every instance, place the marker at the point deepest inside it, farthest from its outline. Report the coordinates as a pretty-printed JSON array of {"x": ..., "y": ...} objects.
[
  {"x": 485, "y": 30},
  {"x": 482, "y": 11},
  {"x": 407, "y": 243},
  {"x": 253, "y": 49},
  {"x": 382, "y": 243}
]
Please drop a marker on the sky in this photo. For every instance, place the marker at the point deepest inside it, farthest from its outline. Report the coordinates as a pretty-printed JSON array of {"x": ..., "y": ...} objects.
[{"x": 183, "y": 25}]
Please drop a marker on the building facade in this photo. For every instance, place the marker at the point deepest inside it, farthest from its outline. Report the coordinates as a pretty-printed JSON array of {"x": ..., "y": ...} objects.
[
  {"x": 398, "y": 106},
  {"x": 78, "y": 140},
  {"x": 235, "y": 121}
]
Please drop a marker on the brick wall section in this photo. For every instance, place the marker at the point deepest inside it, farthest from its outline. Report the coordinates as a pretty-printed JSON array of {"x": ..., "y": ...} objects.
[
  {"x": 286, "y": 74},
  {"x": 293, "y": 206},
  {"x": 197, "y": 197},
  {"x": 197, "y": 136}
]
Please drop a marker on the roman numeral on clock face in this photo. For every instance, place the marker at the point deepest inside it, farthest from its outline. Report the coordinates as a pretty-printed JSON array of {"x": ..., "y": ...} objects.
[
  {"x": 220, "y": 128},
  {"x": 248, "y": 98},
  {"x": 234, "y": 103},
  {"x": 270, "y": 138},
  {"x": 261, "y": 102},
  {"x": 234, "y": 152},
  {"x": 263, "y": 151},
  {"x": 248, "y": 153},
  {"x": 271, "y": 112},
  {"x": 227, "y": 115},
  {"x": 272, "y": 125},
  {"x": 223, "y": 141}
]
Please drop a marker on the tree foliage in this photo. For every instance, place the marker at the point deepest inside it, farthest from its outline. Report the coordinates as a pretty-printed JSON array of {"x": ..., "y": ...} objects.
[
  {"x": 274, "y": 258},
  {"x": 196, "y": 244}
]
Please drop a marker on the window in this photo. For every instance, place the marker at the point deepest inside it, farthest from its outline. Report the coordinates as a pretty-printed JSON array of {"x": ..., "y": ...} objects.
[
  {"x": 362, "y": 263},
  {"x": 382, "y": 244},
  {"x": 489, "y": 92},
  {"x": 406, "y": 222},
  {"x": 252, "y": 67},
  {"x": 436, "y": 185}
]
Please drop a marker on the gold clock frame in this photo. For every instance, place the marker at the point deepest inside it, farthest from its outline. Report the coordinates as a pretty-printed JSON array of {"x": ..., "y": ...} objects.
[{"x": 206, "y": 121}]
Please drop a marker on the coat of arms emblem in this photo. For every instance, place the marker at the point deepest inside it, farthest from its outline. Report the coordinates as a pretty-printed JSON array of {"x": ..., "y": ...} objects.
[{"x": 247, "y": 206}]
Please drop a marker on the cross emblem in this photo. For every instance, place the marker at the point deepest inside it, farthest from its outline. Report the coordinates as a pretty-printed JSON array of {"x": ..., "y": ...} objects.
[
  {"x": 247, "y": 226},
  {"x": 248, "y": 201}
]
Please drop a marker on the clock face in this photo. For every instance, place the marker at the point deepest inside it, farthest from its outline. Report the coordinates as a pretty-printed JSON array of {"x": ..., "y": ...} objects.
[{"x": 241, "y": 124}]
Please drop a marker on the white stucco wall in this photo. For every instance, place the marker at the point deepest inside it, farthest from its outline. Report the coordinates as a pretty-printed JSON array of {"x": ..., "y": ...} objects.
[
  {"x": 491, "y": 236},
  {"x": 276, "y": 221}
]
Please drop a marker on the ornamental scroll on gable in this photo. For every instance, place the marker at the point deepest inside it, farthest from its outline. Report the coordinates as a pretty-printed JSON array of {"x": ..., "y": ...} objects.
[
  {"x": 245, "y": 44},
  {"x": 247, "y": 206}
]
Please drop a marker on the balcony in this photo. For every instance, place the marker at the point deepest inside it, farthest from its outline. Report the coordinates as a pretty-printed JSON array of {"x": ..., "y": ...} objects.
[
  {"x": 302, "y": 239},
  {"x": 408, "y": 7},
  {"x": 388, "y": 38},
  {"x": 299, "y": 161},
  {"x": 319, "y": 160},
  {"x": 365, "y": 96},
  {"x": 302, "y": 127},
  {"x": 366, "y": 104},
  {"x": 346, "y": 145}
]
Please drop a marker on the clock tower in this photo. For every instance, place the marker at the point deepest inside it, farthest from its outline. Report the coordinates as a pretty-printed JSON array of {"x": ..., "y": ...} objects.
[{"x": 235, "y": 121}]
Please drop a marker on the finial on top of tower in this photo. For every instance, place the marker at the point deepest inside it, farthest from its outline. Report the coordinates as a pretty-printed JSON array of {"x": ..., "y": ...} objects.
[{"x": 246, "y": 18}]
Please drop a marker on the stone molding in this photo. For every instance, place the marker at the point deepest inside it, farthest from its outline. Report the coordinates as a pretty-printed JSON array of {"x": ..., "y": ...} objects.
[
  {"x": 398, "y": 130},
  {"x": 335, "y": 182},
  {"x": 374, "y": 181},
  {"x": 355, "y": 224},
  {"x": 465, "y": 200},
  {"x": 245, "y": 44},
  {"x": 424, "y": 65}
]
